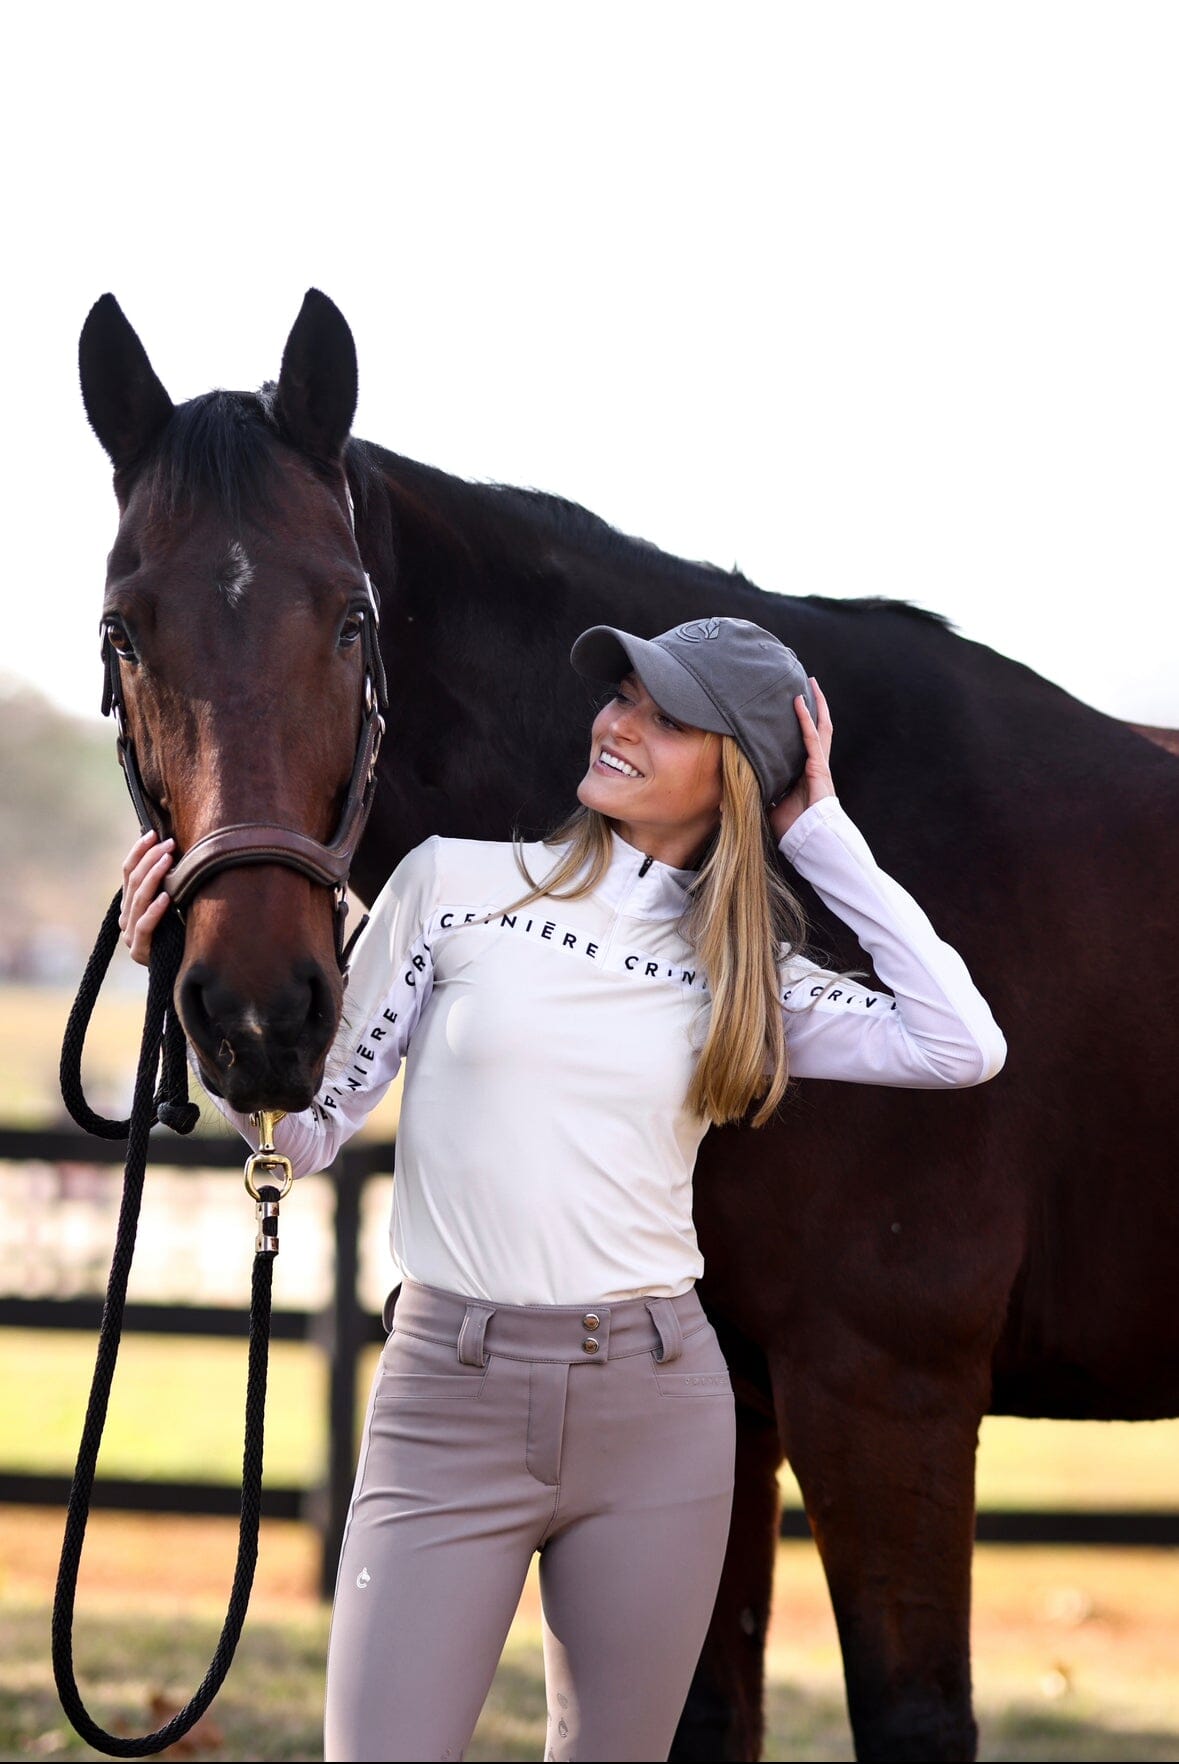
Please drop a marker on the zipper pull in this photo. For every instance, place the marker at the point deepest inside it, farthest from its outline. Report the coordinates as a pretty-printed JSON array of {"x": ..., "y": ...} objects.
[{"x": 645, "y": 866}]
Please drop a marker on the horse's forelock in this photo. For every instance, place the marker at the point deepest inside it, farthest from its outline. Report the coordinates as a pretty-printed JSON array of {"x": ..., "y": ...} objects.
[{"x": 222, "y": 446}]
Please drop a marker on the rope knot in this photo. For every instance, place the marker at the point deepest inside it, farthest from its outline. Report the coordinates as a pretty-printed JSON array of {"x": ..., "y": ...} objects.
[{"x": 181, "y": 1117}]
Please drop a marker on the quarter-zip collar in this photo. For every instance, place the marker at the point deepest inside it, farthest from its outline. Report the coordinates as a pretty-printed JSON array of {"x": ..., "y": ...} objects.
[{"x": 640, "y": 887}]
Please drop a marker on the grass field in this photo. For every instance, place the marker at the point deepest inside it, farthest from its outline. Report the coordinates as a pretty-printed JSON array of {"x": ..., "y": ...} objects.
[
  {"x": 1074, "y": 1650},
  {"x": 32, "y": 1022},
  {"x": 177, "y": 1405}
]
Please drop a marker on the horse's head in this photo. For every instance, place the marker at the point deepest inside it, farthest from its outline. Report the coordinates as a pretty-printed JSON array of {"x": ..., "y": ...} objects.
[{"x": 239, "y": 641}]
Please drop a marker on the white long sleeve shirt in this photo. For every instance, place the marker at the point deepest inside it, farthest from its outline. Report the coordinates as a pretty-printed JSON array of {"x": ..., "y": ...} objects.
[{"x": 545, "y": 1151}]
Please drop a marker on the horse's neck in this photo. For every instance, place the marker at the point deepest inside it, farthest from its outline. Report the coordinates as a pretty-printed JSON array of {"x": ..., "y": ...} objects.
[
  {"x": 536, "y": 550},
  {"x": 484, "y": 593}
]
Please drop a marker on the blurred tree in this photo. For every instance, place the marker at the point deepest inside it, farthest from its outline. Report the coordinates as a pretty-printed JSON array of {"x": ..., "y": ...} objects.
[{"x": 65, "y": 822}]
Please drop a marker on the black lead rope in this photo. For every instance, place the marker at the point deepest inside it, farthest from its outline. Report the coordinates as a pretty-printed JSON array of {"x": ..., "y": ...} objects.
[
  {"x": 162, "y": 1051},
  {"x": 170, "y": 1104}
]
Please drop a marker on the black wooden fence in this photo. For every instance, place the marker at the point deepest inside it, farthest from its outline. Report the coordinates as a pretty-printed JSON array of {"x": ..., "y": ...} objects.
[{"x": 342, "y": 1330}]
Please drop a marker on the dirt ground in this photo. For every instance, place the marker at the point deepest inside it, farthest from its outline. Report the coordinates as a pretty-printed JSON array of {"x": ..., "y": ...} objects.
[{"x": 1076, "y": 1643}]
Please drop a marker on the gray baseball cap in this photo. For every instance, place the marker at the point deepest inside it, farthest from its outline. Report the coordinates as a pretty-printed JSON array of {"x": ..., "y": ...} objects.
[{"x": 727, "y": 675}]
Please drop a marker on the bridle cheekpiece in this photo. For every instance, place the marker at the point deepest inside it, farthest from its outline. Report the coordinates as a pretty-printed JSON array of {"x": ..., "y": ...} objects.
[{"x": 260, "y": 842}]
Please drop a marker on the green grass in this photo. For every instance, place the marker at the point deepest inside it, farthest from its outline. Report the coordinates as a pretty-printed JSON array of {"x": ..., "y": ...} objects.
[
  {"x": 177, "y": 1407},
  {"x": 32, "y": 1023},
  {"x": 1127, "y": 1464},
  {"x": 177, "y": 1412},
  {"x": 270, "y": 1707},
  {"x": 1073, "y": 1650}
]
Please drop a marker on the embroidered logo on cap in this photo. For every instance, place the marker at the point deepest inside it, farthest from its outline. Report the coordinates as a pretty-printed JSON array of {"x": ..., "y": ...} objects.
[{"x": 699, "y": 631}]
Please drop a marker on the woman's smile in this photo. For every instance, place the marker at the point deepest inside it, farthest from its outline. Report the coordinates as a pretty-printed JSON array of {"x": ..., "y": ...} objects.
[
  {"x": 608, "y": 761},
  {"x": 656, "y": 779}
]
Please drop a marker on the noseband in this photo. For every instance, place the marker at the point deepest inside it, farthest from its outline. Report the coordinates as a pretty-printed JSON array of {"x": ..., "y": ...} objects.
[{"x": 259, "y": 842}]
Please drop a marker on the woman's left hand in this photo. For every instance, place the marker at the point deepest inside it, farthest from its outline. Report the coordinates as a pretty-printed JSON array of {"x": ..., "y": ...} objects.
[{"x": 815, "y": 782}]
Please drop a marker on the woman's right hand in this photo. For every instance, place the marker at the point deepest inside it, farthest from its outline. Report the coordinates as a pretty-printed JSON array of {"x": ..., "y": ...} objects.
[{"x": 144, "y": 900}]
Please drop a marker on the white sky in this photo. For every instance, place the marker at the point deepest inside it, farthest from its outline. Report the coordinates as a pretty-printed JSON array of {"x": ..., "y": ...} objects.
[{"x": 865, "y": 298}]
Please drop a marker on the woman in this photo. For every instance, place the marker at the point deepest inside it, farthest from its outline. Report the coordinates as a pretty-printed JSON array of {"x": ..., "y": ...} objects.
[{"x": 550, "y": 1382}]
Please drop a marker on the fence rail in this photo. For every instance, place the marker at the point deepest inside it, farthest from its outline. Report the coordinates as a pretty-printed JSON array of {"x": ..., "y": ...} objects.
[{"x": 341, "y": 1331}]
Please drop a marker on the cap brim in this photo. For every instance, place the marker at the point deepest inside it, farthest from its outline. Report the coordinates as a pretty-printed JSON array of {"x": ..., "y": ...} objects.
[{"x": 604, "y": 653}]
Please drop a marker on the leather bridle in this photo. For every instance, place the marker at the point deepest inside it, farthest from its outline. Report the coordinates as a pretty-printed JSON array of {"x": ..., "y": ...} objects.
[{"x": 260, "y": 842}]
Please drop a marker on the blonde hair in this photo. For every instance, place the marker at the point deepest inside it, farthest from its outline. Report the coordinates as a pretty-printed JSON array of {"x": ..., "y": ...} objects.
[{"x": 739, "y": 912}]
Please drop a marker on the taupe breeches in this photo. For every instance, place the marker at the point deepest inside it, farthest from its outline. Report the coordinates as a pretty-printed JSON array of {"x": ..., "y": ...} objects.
[{"x": 601, "y": 1436}]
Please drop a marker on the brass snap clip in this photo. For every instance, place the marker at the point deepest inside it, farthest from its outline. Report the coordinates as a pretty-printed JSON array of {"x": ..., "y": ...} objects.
[{"x": 270, "y": 1169}]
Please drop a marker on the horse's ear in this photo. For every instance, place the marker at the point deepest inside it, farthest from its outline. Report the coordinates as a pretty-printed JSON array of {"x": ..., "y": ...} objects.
[
  {"x": 124, "y": 400},
  {"x": 315, "y": 399}
]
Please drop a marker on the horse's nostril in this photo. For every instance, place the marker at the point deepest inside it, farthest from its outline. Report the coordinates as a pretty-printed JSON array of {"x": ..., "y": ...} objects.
[
  {"x": 321, "y": 1005},
  {"x": 194, "y": 1013},
  {"x": 249, "y": 1049}
]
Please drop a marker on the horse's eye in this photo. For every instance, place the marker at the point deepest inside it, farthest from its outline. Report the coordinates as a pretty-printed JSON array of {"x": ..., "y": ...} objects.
[
  {"x": 350, "y": 630},
  {"x": 119, "y": 640}
]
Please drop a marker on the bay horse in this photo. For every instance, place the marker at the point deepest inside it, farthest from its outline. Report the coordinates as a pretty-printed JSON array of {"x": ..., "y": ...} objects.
[{"x": 885, "y": 1267}]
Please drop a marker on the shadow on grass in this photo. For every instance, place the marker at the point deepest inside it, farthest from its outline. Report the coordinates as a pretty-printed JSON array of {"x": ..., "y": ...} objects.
[{"x": 270, "y": 1706}]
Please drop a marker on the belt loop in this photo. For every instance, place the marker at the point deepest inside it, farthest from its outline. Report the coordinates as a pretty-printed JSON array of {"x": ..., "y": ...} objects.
[
  {"x": 389, "y": 1307},
  {"x": 470, "y": 1336},
  {"x": 667, "y": 1327}
]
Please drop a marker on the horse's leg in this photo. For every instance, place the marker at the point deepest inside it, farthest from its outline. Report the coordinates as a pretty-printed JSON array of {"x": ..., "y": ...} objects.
[
  {"x": 886, "y": 1468},
  {"x": 723, "y": 1720}
]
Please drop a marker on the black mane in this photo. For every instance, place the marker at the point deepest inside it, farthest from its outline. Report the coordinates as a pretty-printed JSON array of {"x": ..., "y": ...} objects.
[
  {"x": 489, "y": 517},
  {"x": 226, "y": 445},
  {"x": 222, "y": 445}
]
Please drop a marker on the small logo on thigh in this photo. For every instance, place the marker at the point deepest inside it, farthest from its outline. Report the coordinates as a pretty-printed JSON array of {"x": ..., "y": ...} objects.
[{"x": 363, "y": 1578}]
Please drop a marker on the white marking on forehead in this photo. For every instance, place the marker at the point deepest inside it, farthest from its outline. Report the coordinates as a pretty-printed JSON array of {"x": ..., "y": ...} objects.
[
  {"x": 235, "y": 574},
  {"x": 251, "y": 1022}
]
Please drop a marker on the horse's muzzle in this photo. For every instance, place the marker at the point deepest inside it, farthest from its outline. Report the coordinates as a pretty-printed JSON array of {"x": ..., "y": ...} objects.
[{"x": 260, "y": 1054}]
